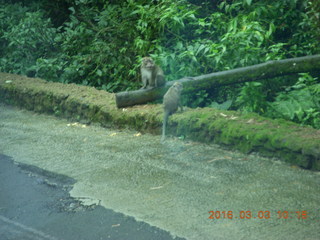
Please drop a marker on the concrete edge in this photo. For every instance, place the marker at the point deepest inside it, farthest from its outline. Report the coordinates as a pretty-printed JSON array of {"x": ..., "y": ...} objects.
[{"x": 245, "y": 132}]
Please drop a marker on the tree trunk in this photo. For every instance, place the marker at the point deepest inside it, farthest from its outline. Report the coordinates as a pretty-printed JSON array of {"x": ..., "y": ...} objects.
[{"x": 239, "y": 75}]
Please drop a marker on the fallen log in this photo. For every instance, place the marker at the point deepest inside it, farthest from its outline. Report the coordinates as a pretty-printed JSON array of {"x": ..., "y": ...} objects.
[{"x": 265, "y": 70}]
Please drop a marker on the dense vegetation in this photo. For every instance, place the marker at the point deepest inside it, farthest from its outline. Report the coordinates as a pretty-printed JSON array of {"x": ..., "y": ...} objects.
[{"x": 99, "y": 43}]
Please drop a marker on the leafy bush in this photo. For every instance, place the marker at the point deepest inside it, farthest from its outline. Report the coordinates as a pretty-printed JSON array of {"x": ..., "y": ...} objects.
[
  {"x": 100, "y": 43},
  {"x": 24, "y": 40},
  {"x": 252, "y": 98},
  {"x": 299, "y": 103}
]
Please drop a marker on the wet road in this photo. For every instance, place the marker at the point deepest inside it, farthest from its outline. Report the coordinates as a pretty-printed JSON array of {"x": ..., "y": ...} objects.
[
  {"x": 35, "y": 205},
  {"x": 191, "y": 190}
]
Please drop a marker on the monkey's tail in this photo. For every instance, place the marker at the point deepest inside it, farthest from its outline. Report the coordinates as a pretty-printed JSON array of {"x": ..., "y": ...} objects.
[{"x": 164, "y": 125}]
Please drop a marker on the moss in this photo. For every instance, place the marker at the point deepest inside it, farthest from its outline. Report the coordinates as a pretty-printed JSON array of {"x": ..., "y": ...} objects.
[{"x": 245, "y": 132}]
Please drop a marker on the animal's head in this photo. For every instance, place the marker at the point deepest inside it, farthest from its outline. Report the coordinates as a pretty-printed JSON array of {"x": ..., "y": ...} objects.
[
  {"x": 147, "y": 62},
  {"x": 177, "y": 86}
]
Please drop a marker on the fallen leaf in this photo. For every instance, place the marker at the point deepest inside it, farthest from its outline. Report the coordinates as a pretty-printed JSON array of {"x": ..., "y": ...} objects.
[
  {"x": 250, "y": 120},
  {"x": 215, "y": 159},
  {"x": 155, "y": 188}
]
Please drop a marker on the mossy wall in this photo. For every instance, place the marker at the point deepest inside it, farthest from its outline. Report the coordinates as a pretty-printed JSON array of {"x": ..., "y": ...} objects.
[{"x": 245, "y": 132}]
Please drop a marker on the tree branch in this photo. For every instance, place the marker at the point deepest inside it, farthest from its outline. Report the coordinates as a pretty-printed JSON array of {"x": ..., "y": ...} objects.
[{"x": 239, "y": 75}]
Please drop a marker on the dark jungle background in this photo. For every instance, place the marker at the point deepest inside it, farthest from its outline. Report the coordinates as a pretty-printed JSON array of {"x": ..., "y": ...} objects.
[{"x": 100, "y": 43}]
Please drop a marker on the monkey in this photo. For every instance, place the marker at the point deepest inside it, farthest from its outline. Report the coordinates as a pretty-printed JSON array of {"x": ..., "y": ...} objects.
[
  {"x": 171, "y": 102},
  {"x": 151, "y": 74}
]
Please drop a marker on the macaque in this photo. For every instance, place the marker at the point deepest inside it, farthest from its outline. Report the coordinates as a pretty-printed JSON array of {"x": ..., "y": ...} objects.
[
  {"x": 171, "y": 102},
  {"x": 151, "y": 74}
]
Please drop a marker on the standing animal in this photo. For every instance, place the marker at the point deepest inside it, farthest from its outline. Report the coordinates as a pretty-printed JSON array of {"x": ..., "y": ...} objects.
[
  {"x": 151, "y": 74},
  {"x": 171, "y": 102}
]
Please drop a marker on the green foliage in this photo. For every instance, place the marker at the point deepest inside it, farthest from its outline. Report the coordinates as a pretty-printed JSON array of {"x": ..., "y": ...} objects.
[
  {"x": 100, "y": 43},
  {"x": 252, "y": 98},
  {"x": 221, "y": 106},
  {"x": 50, "y": 69},
  {"x": 24, "y": 39},
  {"x": 299, "y": 103},
  {"x": 199, "y": 99},
  {"x": 305, "y": 40}
]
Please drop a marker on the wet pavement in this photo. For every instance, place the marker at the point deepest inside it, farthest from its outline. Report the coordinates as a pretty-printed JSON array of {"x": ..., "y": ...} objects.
[
  {"x": 35, "y": 204},
  {"x": 187, "y": 189}
]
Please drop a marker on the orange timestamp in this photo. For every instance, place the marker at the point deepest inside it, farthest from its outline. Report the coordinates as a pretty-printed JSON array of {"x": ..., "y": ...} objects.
[{"x": 257, "y": 215}]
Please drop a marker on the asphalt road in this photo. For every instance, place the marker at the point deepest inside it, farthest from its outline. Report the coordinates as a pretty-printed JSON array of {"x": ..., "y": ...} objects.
[{"x": 35, "y": 205}]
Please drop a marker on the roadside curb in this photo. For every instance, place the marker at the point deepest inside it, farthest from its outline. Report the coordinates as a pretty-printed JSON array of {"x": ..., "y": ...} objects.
[{"x": 245, "y": 132}]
